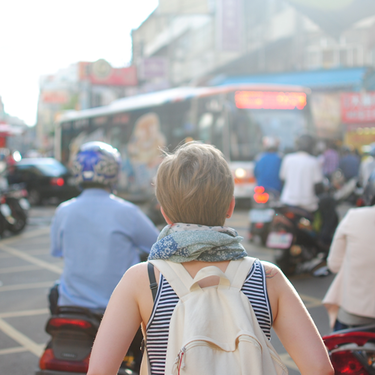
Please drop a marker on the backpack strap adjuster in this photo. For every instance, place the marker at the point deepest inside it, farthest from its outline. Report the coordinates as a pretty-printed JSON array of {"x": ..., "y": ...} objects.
[{"x": 151, "y": 276}]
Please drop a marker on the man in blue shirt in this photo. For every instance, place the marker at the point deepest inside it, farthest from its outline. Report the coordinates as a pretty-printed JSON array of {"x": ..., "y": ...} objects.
[
  {"x": 349, "y": 163},
  {"x": 99, "y": 235},
  {"x": 267, "y": 167}
]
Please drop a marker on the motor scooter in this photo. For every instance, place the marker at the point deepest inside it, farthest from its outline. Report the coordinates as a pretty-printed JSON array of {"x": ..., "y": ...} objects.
[
  {"x": 262, "y": 212},
  {"x": 73, "y": 330},
  {"x": 352, "y": 351},
  {"x": 293, "y": 236},
  {"x": 14, "y": 208}
]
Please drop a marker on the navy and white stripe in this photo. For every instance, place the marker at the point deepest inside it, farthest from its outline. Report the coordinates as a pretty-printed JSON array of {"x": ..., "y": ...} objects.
[{"x": 166, "y": 300}]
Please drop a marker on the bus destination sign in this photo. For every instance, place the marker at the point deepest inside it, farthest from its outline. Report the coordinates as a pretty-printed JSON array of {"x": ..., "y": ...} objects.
[{"x": 270, "y": 100}]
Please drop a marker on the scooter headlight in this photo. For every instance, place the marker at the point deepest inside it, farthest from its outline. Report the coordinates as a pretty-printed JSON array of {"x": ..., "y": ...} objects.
[{"x": 240, "y": 173}]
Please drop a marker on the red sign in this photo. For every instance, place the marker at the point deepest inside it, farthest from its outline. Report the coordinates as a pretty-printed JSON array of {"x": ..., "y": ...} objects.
[
  {"x": 270, "y": 100},
  {"x": 358, "y": 107},
  {"x": 101, "y": 73},
  {"x": 54, "y": 97}
]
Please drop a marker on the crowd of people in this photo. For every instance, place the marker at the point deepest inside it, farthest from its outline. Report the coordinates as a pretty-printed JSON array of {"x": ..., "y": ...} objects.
[
  {"x": 350, "y": 300},
  {"x": 102, "y": 238}
]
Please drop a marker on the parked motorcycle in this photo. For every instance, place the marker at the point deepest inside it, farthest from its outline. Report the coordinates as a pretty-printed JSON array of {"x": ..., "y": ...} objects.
[
  {"x": 73, "y": 330},
  {"x": 300, "y": 247},
  {"x": 14, "y": 208},
  {"x": 262, "y": 211},
  {"x": 352, "y": 351}
]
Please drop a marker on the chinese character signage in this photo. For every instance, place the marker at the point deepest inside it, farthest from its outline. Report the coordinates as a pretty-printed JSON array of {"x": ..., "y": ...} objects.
[
  {"x": 358, "y": 107},
  {"x": 153, "y": 67},
  {"x": 101, "y": 73},
  {"x": 229, "y": 28}
]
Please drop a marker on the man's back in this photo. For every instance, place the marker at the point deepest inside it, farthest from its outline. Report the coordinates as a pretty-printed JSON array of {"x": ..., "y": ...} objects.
[
  {"x": 267, "y": 170},
  {"x": 349, "y": 164},
  {"x": 99, "y": 236},
  {"x": 300, "y": 172}
]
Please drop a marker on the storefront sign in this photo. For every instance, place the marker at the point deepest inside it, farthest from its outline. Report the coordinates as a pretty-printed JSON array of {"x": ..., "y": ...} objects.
[
  {"x": 101, "y": 73},
  {"x": 153, "y": 67},
  {"x": 229, "y": 27},
  {"x": 358, "y": 107}
]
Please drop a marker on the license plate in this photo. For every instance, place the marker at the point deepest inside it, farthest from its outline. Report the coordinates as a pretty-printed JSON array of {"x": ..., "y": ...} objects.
[
  {"x": 24, "y": 203},
  {"x": 5, "y": 210},
  {"x": 261, "y": 216},
  {"x": 279, "y": 240}
]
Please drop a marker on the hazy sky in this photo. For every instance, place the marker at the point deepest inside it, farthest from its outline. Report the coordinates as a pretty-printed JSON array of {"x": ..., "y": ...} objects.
[{"x": 39, "y": 37}]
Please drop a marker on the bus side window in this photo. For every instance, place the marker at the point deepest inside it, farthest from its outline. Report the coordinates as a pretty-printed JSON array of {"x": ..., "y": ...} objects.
[
  {"x": 218, "y": 132},
  {"x": 245, "y": 137},
  {"x": 205, "y": 127}
]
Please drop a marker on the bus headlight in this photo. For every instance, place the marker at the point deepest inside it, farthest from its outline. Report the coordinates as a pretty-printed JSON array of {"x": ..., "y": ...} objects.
[{"x": 240, "y": 173}]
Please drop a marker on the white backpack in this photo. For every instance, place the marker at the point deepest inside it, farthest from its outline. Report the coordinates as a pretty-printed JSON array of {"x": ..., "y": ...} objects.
[{"x": 214, "y": 330}]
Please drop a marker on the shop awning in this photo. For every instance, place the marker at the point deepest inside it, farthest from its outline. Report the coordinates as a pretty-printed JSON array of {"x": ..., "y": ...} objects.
[{"x": 352, "y": 79}]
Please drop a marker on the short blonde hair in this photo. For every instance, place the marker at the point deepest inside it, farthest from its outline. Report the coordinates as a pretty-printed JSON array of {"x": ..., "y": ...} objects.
[{"x": 195, "y": 185}]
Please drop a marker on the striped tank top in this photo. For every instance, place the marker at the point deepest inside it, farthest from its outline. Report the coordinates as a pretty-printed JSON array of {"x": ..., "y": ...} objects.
[{"x": 166, "y": 300}]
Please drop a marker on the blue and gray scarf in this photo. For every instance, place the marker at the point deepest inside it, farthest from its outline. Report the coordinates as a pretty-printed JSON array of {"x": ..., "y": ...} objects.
[{"x": 186, "y": 242}]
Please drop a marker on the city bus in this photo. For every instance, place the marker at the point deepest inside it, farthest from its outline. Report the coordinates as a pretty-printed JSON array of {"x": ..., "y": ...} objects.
[{"x": 233, "y": 118}]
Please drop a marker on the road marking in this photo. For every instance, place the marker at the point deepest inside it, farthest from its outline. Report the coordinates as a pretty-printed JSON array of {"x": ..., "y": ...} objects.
[
  {"x": 18, "y": 349},
  {"x": 288, "y": 362},
  {"x": 30, "y": 259},
  {"x": 8, "y": 288},
  {"x": 13, "y": 314},
  {"x": 22, "y": 339},
  {"x": 310, "y": 301},
  {"x": 19, "y": 269},
  {"x": 26, "y": 235}
]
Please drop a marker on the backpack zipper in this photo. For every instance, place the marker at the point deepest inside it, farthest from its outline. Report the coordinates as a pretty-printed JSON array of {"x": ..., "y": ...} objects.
[{"x": 180, "y": 360}]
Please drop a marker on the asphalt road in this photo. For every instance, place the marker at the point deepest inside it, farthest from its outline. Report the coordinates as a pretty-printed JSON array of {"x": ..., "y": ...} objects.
[{"x": 27, "y": 271}]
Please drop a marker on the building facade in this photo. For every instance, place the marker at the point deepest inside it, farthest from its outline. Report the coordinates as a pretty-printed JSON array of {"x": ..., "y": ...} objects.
[{"x": 270, "y": 41}]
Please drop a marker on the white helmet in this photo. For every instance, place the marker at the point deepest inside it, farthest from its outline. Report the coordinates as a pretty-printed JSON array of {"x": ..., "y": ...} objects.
[{"x": 270, "y": 143}]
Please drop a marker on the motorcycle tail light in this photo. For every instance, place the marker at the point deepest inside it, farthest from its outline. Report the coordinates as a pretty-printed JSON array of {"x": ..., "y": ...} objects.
[
  {"x": 259, "y": 225},
  {"x": 356, "y": 337},
  {"x": 78, "y": 323},
  {"x": 24, "y": 193},
  {"x": 49, "y": 362},
  {"x": 260, "y": 196},
  {"x": 3, "y": 200},
  {"x": 344, "y": 362},
  {"x": 290, "y": 215},
  {"x": 57, "y": 181},
  {"x": 360, "y": 202},
  {"x": 351, "y": 352}
]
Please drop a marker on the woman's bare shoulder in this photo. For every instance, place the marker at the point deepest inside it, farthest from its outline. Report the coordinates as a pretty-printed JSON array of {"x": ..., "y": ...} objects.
[
  {"x": 136, "y": 276},
  {"x": 271, "y": 270}
]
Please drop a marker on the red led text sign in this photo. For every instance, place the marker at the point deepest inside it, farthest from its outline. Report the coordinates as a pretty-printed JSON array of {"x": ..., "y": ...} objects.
[
  {"x": 270, "y": 100},
  {"x": 357, "y": 107}
]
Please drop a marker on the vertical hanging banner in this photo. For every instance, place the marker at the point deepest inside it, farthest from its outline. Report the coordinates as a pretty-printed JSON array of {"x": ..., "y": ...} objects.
[{"x": 229, "y": 25}]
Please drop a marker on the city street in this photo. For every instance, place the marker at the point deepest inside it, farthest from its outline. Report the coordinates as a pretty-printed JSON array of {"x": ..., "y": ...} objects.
[{"x": 27, "y": 271}]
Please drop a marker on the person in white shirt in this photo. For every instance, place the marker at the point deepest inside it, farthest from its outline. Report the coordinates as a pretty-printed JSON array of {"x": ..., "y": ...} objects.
[{"x": 301, "y": 173}]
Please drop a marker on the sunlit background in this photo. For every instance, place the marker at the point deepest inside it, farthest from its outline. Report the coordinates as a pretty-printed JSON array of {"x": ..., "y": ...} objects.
[
  {"x": 42, "y": 37},
  {"x": 75, "y": 55}
]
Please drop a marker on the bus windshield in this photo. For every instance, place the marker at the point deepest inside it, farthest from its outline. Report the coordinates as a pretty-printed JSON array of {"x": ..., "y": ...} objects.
[{"x": 249, "y": 126}]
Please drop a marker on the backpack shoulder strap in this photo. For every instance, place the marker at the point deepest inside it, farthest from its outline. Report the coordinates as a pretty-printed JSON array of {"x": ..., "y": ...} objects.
[
  {"x": 238, "y": 270},
  {"x": 152, "y": 279},
  {"x": 176, "y": 275}
]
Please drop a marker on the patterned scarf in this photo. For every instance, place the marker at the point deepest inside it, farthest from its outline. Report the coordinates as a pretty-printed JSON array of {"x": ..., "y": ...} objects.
[{"x": 186, "y": 242}]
